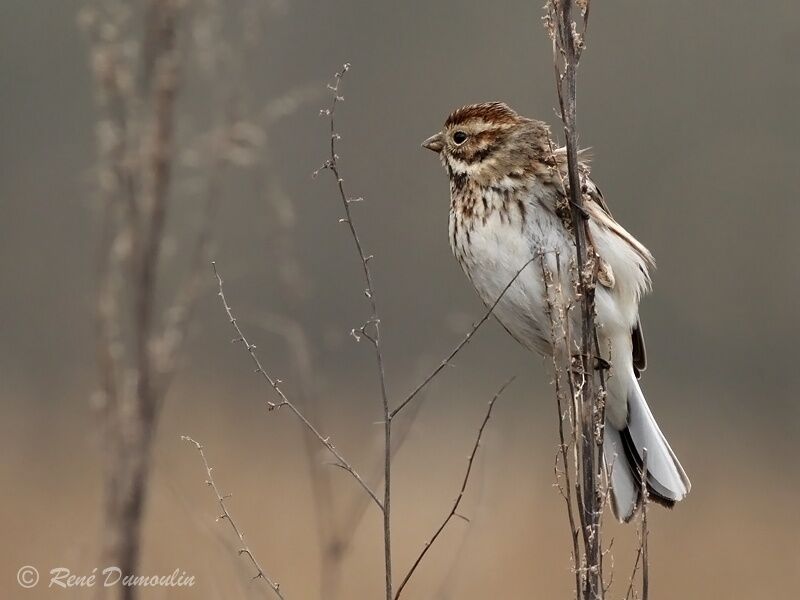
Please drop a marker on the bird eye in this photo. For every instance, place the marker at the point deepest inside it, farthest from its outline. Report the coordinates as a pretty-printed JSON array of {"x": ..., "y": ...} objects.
[{"x": 459, "y": 137}]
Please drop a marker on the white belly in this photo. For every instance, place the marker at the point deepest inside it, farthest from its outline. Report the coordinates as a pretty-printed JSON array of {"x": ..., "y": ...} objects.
[
  {"x": 497, "y": 243},
  {"x": 494, "y": 249}
]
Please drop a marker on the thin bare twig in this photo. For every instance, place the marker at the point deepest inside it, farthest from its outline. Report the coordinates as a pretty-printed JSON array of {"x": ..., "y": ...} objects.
[
  {"x": 336, "y": 531},
  {"x": 558, "y": 314},
  {"x": 226, "y": 516},
  {"x": 454, "y": 510},
  {"x": 371, "y": 329},
  {"x": 642, "y": 561},
  {"x": 355, "y": 511},
  {"x": 645, "y": 532},
  {"x": 463, "y": 342},
  {"x": 283, "y": 399}
]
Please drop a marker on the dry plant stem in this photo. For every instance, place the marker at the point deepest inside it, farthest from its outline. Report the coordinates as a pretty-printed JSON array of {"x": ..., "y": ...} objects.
[
  {"x": 226, "y": 516},
  {"x": 567, "y": 46},
  {"x": 645, "y": 532},
  {"x": 355, "y": 511},
  {"x": 131, "y": 369},
  {"x": 283, "y": 399},
  {"x": 138, "y": 342},
  {"x": 642, "y": 561},
  {"x": 557, "y": 311},
  {"x": 453, "y": 511},
  {"x": 371, "y": 330}
]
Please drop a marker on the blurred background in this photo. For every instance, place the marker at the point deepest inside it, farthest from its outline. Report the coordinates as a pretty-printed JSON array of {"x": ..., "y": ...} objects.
[{"x": 690, "y": 109}]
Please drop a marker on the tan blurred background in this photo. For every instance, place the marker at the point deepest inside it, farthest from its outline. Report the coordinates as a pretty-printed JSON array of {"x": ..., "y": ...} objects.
[{"x": 691, "y": 109}]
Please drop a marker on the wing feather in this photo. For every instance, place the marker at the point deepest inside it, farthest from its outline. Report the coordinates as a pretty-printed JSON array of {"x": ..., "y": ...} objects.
[{"x": 639, "y": 351}]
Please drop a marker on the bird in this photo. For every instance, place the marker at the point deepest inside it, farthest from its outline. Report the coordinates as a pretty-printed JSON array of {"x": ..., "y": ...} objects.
[{"x": 507, "y": 205}]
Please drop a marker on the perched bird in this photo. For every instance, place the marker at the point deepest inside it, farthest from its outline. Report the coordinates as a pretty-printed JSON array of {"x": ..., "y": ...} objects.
[{"x": 507, "y": 199}]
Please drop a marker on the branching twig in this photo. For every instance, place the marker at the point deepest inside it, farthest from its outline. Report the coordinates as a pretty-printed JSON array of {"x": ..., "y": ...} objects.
[
  {"x": 371, "y": 330},
  {"x": 283, "y": 399},
  {"x": 226, "y": 516},
  {"x": 453, "y": 511},
  {"x": 336, "y": 529},
  {"x": 461, "y": 344}
]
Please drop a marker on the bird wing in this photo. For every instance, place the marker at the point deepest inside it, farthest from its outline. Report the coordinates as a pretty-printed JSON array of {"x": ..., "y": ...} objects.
[
  {"x": 596, "y": 206},
  {"x": 595, "y": 196}
]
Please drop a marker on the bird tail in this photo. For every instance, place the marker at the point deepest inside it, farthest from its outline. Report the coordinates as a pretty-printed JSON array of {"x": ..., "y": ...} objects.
[{"x": 623, "y": 449}]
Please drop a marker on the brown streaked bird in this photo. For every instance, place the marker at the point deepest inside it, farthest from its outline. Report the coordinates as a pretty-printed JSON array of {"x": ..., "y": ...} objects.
[{"x": 506, "y": 206}]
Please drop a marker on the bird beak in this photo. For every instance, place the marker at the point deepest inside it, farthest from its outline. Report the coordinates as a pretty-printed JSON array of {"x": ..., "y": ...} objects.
[{"x": 435, "y": 142}]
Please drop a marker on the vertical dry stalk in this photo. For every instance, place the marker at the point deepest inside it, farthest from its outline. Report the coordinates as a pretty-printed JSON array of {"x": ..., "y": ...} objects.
[
  {"x": 139, "y": 60},
  {"x": 568, "y": 43},
  {"x": 570, "y": 382},
  {"x": 134, "y": 357},
  {"x": 558, "y": 310},
  {"x": 644, "y": 532},
  {"x": 642, "y": 561},
  {"x": 370, "y": 330}
]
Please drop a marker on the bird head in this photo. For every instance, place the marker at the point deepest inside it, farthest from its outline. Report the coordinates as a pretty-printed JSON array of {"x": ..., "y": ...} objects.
[{"x": 488, "y": 141}]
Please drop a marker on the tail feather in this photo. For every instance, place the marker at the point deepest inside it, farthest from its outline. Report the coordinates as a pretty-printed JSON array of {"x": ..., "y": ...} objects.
[
  {"x": 625, "y": 490},
  {"x": 667, "y": 482},
  {"x": 655, "y": 491},
  {"x": 665, "y": 473}
]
